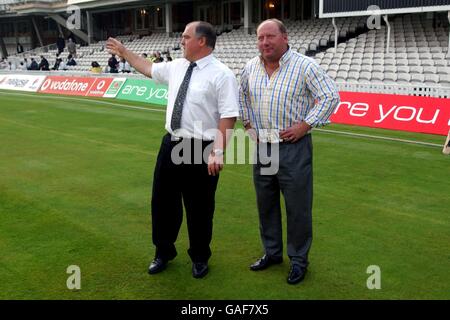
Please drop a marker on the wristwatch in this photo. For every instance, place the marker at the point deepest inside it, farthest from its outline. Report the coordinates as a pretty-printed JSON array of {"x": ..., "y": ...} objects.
[{"x": 218, "y": 152}]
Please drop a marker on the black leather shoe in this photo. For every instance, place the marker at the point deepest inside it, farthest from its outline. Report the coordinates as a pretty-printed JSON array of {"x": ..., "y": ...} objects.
[
  {"x": 157, "y": 266},
  {"x": 265, "y": 262},
  {"x": 296, "y": 274},
  {"x": 199, "y": 269}
]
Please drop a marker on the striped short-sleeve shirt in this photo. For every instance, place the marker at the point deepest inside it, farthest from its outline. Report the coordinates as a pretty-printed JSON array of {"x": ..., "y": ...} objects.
[{"x": 299, "y": 90}]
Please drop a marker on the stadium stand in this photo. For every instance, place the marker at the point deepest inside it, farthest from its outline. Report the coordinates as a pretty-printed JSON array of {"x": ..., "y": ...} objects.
[
  {"x": 417, "y": 55},
  {"x": 234, "y": 48},
  {"x": 417, "y": 50}
]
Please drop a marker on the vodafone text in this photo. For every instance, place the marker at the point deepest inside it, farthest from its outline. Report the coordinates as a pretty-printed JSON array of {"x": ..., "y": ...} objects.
[{"x": 66, "y": 85}]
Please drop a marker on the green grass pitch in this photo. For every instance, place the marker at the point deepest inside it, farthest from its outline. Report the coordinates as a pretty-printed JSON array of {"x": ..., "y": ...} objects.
[{"x": 75, "y": 187}]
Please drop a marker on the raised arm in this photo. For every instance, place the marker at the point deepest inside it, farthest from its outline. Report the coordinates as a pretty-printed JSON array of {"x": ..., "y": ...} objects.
[{"x": 141, "y": 64}]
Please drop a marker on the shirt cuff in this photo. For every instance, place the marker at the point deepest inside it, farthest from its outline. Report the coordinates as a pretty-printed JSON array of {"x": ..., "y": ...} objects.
[{"x": 229, "y": 115}]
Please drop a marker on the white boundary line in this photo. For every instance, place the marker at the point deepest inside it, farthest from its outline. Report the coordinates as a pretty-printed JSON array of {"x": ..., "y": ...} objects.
[
  {"x": 379, "y": 137},
  {"x": 164, "y": 110},
  {"x": 82, "y": 100}
]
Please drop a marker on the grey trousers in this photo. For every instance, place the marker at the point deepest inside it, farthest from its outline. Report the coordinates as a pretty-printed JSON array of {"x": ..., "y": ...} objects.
[{"x": 295, "y": 181}]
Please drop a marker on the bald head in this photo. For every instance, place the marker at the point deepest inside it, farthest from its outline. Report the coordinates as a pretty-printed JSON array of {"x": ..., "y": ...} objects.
[
  {"x": 272, "y": 40},
  {"x": 281, "y": 27}
]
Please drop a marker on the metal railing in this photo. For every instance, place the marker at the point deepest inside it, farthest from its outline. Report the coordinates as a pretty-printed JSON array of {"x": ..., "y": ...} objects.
[
  {"x": 36, "y": 51},
  {"x": 436, "y": 91},
  {"x": 74, "y": 73}
]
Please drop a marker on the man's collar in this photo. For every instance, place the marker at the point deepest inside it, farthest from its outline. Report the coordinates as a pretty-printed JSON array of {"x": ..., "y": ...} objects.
[
  {"x": 284, "y": 58},
  {"x": 203, "y": 62}
]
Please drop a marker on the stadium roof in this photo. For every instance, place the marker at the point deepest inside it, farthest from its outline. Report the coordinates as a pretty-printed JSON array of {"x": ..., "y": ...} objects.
[
  {"x": 347, "y": 8},
  {"x": 31, "y": 6},
  {"x": 53, "y": 6}
]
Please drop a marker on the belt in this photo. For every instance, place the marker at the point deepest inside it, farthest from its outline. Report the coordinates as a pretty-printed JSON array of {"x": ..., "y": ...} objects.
[
  {"x": 281, "y": 141},
  {"x": 274, "y": 137},
  {"x": 176, "y": 140}
]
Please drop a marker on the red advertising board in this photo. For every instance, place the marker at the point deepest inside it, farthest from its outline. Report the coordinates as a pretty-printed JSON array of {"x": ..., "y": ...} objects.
[
  {"x": 397, "y": 112},
  {"x": 76, "y": 86},
  {"x": 100, "y": 86}
]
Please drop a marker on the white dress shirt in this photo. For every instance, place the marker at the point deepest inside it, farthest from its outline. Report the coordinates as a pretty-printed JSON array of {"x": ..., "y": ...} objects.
[
  {"x": 124, "y": 67},
  {"x": 212, "y": 95}
]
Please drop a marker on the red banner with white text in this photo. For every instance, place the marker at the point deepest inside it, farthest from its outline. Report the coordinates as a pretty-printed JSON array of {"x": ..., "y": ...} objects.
[
  {"x": 75, "y": 86},
  {"x": 99, "y": 88},
  {"x": 396, "y": 112}
]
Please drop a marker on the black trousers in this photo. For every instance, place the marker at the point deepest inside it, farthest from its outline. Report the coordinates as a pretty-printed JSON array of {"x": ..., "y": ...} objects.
[{"x": 174, "y": 184}]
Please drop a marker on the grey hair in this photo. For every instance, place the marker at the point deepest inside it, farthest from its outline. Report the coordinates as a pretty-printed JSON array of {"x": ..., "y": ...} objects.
[{"x": 205, "y": 29}]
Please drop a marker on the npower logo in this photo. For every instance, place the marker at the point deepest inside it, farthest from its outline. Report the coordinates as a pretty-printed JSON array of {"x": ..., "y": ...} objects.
[
  {"x": 17, "y": 83},
  {"x": 394, "y": 112},
  {"x": 21, "y": 82},
  {"x": 397, "y": 112},
  {"x": 144, "y": 91}
]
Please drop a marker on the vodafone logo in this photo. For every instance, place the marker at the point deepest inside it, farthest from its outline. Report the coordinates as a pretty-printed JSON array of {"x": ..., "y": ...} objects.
[
  {"x": 101, "y": 84},
  {"x": 45, "y": 84},
  {"x": 99, "y": 87}
]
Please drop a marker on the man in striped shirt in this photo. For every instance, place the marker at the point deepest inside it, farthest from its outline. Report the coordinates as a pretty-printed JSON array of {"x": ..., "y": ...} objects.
[{"x": 283, "y": 95}]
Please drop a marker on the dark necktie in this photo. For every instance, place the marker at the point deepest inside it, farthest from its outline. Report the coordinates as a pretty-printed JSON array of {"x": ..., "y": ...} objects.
[{"x": 179, "y": 101}]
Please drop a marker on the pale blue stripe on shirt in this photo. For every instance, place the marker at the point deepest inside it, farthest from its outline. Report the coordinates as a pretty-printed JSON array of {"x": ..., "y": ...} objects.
[{"x": 299, "y": 90}]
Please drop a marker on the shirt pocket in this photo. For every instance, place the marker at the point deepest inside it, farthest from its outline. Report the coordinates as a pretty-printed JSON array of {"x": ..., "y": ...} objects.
[{"x": 198, "y": 93}]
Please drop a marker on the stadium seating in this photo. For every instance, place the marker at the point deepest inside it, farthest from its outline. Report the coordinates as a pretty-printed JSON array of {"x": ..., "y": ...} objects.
[{"x": 417, "y": 55}]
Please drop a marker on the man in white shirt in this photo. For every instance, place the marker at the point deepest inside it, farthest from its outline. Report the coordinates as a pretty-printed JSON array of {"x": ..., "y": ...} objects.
[
  {"x": 22, "y": 66},
  {"x": 12, "y": 66},
  {"x": 202, "y": 107},
  {"x": 124, "y": 66}
]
